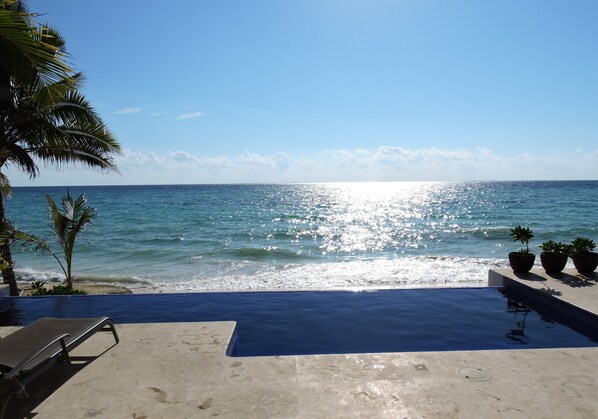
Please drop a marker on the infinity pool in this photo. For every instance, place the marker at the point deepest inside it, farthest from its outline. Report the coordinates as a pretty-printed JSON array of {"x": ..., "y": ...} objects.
[{"x": 324, "y": 322}]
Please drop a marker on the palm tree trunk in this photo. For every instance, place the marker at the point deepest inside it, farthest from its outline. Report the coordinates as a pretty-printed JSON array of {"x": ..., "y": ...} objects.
[
  {"x": 8, "y": 273},
  {"x": 69, "y": 276},
  {"x": 4, "y": 87}
]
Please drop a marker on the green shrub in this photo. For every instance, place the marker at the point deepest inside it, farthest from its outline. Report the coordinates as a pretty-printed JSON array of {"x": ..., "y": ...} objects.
[
  {"x": 39, "y": 289},
  {"x": 581, "y": 245},
  {"x": 554, "y": 247},
  {"x": 523, "y": 235}
]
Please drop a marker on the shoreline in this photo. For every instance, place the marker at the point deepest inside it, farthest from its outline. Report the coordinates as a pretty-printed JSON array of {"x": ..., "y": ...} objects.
[
  {"x": 88, "y": 288},
  {"x": 98, "y": 288}
]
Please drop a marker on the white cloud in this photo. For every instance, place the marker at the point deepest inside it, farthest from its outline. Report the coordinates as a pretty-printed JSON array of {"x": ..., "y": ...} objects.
[
  {"x": 385, "y": 163},
  {"x": 255, "y": 159},
  {"x": 183, "y": 156},
  {"x": 282, "y": 160},
  {"x": 127, "y": 111},
  {"x": 161, "y": 113},
  {"x": 189, "y": 115}
]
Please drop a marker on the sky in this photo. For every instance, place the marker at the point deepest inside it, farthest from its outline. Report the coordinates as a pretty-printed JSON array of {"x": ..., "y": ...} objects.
[{"x": 270, "y": 91}]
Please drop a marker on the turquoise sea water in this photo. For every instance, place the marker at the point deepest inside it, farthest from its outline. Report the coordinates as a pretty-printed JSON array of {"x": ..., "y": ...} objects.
[{"x": 305, "y": 236}]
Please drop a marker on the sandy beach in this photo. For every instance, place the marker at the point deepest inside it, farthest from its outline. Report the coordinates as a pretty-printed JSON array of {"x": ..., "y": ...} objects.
[
  {"x": 88, "y": 288},
  {"x": 94, "y": 288}
]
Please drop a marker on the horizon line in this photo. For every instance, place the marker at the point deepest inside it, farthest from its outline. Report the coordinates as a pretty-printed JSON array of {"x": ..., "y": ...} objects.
[{"x": 305, "y": 183}]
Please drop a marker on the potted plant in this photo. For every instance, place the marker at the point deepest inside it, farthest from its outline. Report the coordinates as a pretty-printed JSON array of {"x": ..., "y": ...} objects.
[
  {"x": 554, "y": 256},
  {"x": 581, "y": 252},
  {"x": 522, "y": 260}
]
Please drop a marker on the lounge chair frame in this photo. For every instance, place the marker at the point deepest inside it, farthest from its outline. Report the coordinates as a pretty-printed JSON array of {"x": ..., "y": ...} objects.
[{"x": 31, "y": 350}]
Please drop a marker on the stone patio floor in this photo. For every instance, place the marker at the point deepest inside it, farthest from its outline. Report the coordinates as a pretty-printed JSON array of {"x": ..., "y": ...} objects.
[{"x": 180, "y": 370}]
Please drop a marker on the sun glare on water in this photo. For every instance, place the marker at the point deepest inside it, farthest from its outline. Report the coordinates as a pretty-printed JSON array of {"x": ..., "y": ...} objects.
[{"x": 377, "y": 216}]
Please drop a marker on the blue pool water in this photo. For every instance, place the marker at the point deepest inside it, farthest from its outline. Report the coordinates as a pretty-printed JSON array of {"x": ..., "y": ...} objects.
[{"x": 288, "y": 323}]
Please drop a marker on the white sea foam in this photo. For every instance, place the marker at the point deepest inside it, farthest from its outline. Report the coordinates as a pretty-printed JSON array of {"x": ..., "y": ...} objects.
[
  {"x": 28, "y": 275},
  {"x": 402, "y": 272},
  {"x": 357, "y": 274},
  {"x": 31, "y": 275}
]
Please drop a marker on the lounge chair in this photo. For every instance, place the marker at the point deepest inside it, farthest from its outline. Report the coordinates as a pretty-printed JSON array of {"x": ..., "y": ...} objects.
[{"x": 31, "y": 350}]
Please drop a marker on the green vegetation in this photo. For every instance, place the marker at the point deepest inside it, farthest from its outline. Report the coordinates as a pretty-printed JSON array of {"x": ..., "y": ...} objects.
[
  {"x": 581, "y": 245},
  {"x": 551, "y": 246},
  {"x": 43, "y": 115},
  {"x": 10, "y": 234},
  {"x": 66, "y": 225},
  {"x": 523, "y": 235},
  {"x": 28, "y": 47},
  {"x": 39, "y": 289}
]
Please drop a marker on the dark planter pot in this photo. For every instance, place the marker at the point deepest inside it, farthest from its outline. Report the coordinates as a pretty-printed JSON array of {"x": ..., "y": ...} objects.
[
  {"x": 521, "y": 263},
  {"x": 553, "y": 262},
  {"x": 585, "y": 262}
]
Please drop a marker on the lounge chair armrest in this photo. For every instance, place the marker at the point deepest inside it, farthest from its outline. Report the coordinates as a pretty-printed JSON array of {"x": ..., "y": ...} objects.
[{"x": 12, "y": 373}]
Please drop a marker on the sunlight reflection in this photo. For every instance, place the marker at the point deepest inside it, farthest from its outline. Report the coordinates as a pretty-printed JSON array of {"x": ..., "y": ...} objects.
[{"x": 376, "y": 216}]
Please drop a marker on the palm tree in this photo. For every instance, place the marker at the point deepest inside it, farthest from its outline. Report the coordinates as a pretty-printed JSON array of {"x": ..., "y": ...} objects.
[
  {"x": 67, "y": 224},
  {"x": 44, "y": 119},
  {"x": 28, "y": 47}
]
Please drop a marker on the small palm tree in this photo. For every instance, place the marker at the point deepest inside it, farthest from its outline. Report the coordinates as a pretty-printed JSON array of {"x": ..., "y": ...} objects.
[{"x": 67, "y": 224}]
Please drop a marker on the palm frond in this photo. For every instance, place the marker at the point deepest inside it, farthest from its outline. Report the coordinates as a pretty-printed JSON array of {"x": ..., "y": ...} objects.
[
  {"x": 66, "y": 132},
  {"x": 82, "y": 214},
  {"x": 48, "y": 94},
  {"x": 5, "y": 187},
  {"x": 75, "y": 109},
  {"x": 10, "y": 233},
  {"x": 58, "y": 222},
  {"x": 14, "y": 154},
  {"x": 24, "y": 43}
]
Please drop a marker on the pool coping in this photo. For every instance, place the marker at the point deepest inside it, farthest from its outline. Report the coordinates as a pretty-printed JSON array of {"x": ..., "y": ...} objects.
[{"x": 570, "y": 292}]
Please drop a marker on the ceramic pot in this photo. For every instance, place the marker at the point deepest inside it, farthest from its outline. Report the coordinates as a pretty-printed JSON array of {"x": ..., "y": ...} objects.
[
  {"x": 585, "y": 262},
  {"x": 521, "y": 263},
  {"x": 553, "y": 262}
]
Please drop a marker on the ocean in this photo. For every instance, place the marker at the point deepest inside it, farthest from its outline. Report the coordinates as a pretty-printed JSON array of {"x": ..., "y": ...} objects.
[{"x": 304, "y": 236}]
